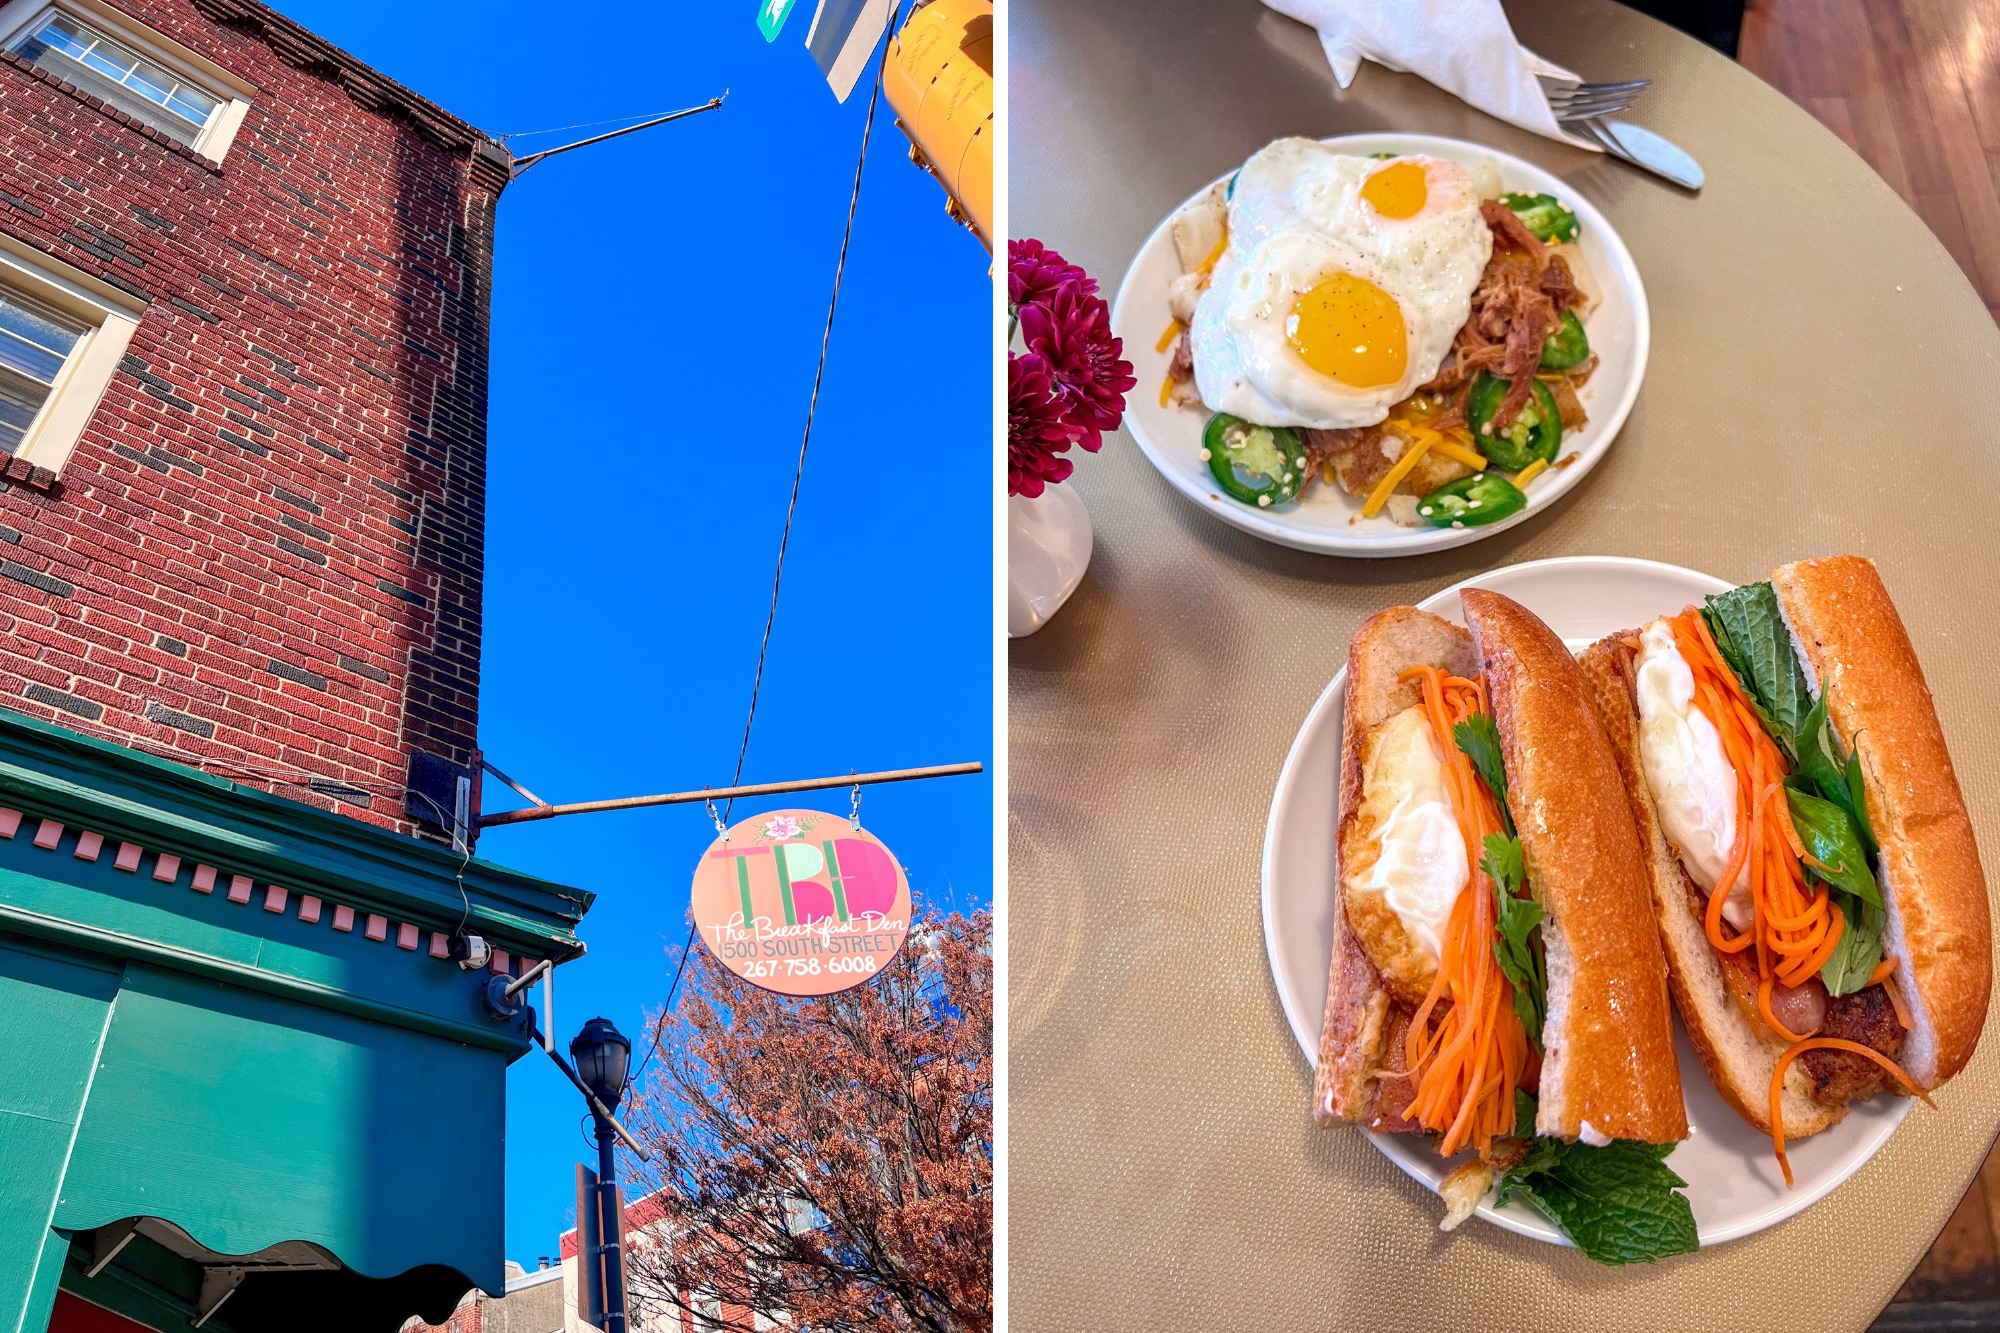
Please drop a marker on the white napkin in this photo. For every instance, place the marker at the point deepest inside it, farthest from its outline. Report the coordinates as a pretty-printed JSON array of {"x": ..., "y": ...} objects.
[{"x": 1465, "y": 47}]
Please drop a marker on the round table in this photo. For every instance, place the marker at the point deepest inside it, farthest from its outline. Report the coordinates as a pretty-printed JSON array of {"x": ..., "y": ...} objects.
[{"x": 1822, "y": 379}]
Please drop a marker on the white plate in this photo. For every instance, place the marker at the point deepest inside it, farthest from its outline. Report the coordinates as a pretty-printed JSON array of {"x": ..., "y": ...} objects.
[
  {"x": 1326, "y": 518},
  {"x": 1733, "y": 1180}
]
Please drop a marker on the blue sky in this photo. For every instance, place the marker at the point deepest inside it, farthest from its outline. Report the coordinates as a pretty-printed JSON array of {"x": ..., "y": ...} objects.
[{"x": 658, "y": 303}]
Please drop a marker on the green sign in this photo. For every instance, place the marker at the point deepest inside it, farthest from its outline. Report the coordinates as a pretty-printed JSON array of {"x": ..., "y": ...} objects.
[{"x": 771, "y": 16}]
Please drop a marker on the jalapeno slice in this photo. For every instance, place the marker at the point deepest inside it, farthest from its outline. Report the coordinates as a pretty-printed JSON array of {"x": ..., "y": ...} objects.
[
  {"x": 1259, "y": 465},
  {"x": 1545, "y": 215},
  {"x": 1567, "y": 346},
  {"x": 1535, "y": 432},
  {"x": 1483, "y": 497}
]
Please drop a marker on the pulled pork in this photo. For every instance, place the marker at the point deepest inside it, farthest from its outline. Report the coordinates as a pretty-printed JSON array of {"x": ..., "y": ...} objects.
[{"x": 1517, "y": 305}]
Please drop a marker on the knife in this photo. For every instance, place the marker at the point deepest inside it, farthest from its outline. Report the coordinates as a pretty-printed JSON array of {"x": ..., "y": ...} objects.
[{"x": 1643, "y": 148}]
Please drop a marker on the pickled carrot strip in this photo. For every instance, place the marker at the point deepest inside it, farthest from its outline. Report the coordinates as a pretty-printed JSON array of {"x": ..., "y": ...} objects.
[
  {"x": 1799, "y": 1048},
  {"x": 1466, "y": 1049}
]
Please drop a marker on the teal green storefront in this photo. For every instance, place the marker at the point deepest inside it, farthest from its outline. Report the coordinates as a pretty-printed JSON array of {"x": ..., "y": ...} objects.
[{"x": 239, "y": 1073}]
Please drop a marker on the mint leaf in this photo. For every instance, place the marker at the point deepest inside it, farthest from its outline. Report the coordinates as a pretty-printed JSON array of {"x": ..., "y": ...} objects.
[
  {"x": 1759, "y": 651},
  {"x": 1479, "y": 738},
  {"x": 1524, "y": 1115},
  {"x": 1518, "y": 919},
  {"x": 1833, "y": 839},
  {"x": 1619, "y": 1204}
]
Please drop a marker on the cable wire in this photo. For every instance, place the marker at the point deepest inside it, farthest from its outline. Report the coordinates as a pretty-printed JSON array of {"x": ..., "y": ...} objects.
[{"x": 791, "y": 507}]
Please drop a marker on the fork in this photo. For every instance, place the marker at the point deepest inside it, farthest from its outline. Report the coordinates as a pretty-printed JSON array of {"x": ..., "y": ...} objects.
[{"x": 1577, "y": 101}]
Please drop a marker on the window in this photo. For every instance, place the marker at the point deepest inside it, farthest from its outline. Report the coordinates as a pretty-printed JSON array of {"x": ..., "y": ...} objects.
[
  {"x": 35, "y": 345},
  {"x": 76, "y": 54},
  {"x": 62, "y": 334},
  {"x": 142, "y": 73}
]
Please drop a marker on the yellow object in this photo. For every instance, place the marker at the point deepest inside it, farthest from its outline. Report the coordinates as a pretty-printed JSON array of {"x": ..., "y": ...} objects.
[
  {"x": 1215, "y": 255},
  {"x": 1167, "y": 338},
  {"x": 1394, "y": 477},
  {"x": 1530, "y": 472},
  {"x": 1398, "y": 190},
  {"x": 1166, "y": 390},
  {"x": 939, "y": 79},
  {"x": 1458, "y": 453},
  {"x": 1347, "y": 328}
]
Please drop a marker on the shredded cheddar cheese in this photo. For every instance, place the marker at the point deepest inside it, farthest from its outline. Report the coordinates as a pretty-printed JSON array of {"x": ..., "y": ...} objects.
[
  {"x": 1458, "y": 453},
  {"x": 1394, "y": 476},
  {"x": 1530, "y": 472}
]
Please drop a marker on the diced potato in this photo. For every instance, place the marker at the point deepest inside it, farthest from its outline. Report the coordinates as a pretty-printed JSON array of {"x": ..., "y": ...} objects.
[
  {"x": 1485, "y": 174},
  {"x": 1182, "y": 294},
  {"x": 1402, "y": 509},
  {"x": 1434, "y": 470},
  {"x": 1586, "y": 281},
  {"x": 1199, "y": 228}
]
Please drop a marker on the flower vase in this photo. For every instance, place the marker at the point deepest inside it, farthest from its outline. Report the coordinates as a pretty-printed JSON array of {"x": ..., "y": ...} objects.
[{"x": 1048, "y": 548}]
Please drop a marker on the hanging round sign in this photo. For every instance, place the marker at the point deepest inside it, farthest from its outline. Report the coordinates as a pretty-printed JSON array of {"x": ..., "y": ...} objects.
[{"x": 800, "y": 902}]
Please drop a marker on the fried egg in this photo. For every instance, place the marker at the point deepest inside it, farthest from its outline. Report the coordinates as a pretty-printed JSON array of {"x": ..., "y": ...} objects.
[
  {"x": 1405, "y": 856},
  {"x": 1694, "y": 786},
  {"x": 1342, "y": 285}
]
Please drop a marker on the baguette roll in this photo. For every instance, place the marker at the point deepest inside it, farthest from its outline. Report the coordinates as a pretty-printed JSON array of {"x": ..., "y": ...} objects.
[
  {"x": 1857, "y": 657},
  {"x": 1608, "y": 1045},
  {"x": 1609, "y": 1066}
]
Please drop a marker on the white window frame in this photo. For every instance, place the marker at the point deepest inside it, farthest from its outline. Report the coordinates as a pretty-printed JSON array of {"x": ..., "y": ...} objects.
[
  {"x": 233, "y": 96},
  {"x": 111, "y": 318}
]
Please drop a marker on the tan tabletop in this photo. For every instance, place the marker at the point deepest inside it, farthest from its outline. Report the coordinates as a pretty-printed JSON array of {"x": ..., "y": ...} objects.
[{"x": 1822, "y": 379}]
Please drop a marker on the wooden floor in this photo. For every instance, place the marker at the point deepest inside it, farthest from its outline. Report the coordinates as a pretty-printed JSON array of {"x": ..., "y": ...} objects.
[{"x": 1913, "y": 86}]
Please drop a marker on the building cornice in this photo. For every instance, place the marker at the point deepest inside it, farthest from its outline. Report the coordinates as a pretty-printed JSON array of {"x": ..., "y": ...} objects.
[
  {"x": 49, "y": 771},
  {"x": 490, "y": 163}
]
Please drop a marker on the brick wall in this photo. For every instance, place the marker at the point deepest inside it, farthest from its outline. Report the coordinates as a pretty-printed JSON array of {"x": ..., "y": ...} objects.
[{"x": 264, "y": 557}]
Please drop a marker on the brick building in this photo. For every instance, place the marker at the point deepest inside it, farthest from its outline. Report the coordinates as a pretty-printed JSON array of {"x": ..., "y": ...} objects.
[
  {"x": 261, "y": 552},
  {"x": 258, "y": 1079}
]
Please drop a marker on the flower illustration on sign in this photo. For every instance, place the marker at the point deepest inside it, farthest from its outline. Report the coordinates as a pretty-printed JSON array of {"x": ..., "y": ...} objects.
[{"x": 784, "y": 826}]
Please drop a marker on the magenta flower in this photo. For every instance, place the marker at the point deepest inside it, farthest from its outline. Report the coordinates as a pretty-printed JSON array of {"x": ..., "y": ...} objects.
[
  {"x": 1072, "y": 329},
  {"x": 1034, "y": 272},
  {"x": 1037, "y": 429},
  {"x": 1070, "y": 386}
]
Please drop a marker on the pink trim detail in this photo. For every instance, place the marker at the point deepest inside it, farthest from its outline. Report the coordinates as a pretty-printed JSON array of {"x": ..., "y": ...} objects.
[
  {"x": 440, "y": 946},
  {"x": 239, "y": 888},
  {"x": 10, "y": 821},
  {"x": 167, "y": 868},
  {"x": 309, "y": 909},
  {"x": 274, "y": 898},
  {"x": 500, "y": 962},
  {"x": 378, "y": 927},
  {"x": 343, "y": 917},
  {"x": 128, "y": 856},
  {"x": 88, "y": 845},
  {"x": 406, "y": 936},
  {"x": 204, "y": 879},
  {"x": 48, "y": 835}
]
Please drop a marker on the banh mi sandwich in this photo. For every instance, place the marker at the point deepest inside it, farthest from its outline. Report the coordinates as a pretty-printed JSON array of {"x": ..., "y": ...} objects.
[
  {"x": 1497, "y": 979},
  {"x": 1813, "y": 870}
]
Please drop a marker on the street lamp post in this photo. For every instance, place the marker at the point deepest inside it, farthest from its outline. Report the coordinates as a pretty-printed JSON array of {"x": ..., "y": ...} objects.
[{"x": 602, "y": 1055}]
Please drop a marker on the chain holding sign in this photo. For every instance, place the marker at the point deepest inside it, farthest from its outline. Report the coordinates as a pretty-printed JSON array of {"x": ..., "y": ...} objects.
[{"x": 801, "y": 902}]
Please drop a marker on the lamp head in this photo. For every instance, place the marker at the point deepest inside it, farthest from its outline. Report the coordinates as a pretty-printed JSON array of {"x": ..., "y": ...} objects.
[{"x": 602, "y": 1056}]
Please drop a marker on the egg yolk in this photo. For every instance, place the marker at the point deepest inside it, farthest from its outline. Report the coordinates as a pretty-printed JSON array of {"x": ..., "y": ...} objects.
[
  {"x": 1397, "y": 190},
  {"x": 1351, "y": 330}
]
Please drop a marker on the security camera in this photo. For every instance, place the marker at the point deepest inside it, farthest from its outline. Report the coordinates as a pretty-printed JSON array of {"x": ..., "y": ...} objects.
[{"x": 471, "y": 952}]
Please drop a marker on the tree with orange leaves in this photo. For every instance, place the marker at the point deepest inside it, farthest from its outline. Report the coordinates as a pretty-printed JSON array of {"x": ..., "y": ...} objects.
[{"x": 825, "y": 1162}]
